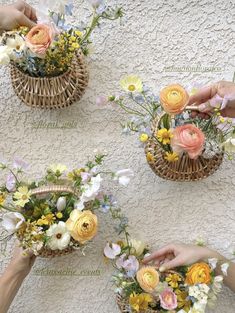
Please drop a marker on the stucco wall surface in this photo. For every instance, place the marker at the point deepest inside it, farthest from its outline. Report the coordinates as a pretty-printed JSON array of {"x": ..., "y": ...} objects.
[{"x": 153, "y": 36}]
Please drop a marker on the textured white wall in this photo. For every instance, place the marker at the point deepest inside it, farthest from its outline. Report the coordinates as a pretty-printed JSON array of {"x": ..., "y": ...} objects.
[{"x": 153, "y": 35}]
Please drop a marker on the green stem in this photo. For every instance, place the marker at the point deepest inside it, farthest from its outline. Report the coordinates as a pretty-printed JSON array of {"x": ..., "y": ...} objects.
[
  {"x": 129, "y": 110},
  {"x": 94, "y": 23}
]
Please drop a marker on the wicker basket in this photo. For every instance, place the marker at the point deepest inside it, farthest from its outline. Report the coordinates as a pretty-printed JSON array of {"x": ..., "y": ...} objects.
[
  {"x": 54, "y": 92},
  {"x": 41, "y": 191},
  {"x": 125, "y": 307},
  {"x": 185, "y": 169}
]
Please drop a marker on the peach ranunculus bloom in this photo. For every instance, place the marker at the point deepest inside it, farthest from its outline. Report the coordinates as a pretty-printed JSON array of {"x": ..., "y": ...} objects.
[
  {"x": 174, "y": 99},
  {"x": 198, "y": 273},
  {"x": 188, "y": 138},
  {"x": 39, "y": 39},
  {"x": 148, "y": 278}
]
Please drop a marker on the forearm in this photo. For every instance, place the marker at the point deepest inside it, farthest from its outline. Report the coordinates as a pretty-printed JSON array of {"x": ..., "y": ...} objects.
[
  {"x": 10, "y": 283},
  {"x": 229, "y": 280}
]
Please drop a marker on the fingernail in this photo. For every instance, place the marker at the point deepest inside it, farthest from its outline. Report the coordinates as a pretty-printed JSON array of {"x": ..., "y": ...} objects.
[
  {"x": 162, "y": 269},
  {"x": 202, "y": 107}
]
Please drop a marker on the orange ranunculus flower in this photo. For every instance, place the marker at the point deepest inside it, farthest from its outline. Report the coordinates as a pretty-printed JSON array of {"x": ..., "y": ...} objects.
[
  {"x": 39, "y": 39},
  {"x": 82, "y": 225},
  {"x": 148, "y": 278},
  {"x": 188, "y": 138},
  {"x": 198, "y": 273},
  {"x": 174, "y": 99}
]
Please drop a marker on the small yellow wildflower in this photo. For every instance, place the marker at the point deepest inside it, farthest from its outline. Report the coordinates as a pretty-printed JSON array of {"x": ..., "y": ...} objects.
[
  {"x": 218, "y": 113},
  {"x": 78, "y": 33},
  {"x": 222, "y": 120},
  {"x": 140, "y": 302},
  {"x": 150, "y": 157},
  {"x": 144, "y": 137},
  {"x": 2, "y": 198},
  {"x": 164, "y": 136},
  {"x": 182, "y": 300},
  {"x": 46, "y": 220},
  {"x": 171, "y": 156},
  {"x": 131, "y": 83},
  {"x": 59, "y": 215},
  {"x": 173, "y": 280},
  {"x": 75, "y": 45}
]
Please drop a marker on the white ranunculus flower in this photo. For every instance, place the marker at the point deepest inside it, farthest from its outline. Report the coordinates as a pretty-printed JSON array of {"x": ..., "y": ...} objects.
[
  {"x": 229, "y": 145},
  {"x": 12, "y": 221},
  {"x": 4, "y": 55},
  {"x": 59, "y": 236},
  {"x": 61, "y": 204},
  {"x": 124, "y": 176}
]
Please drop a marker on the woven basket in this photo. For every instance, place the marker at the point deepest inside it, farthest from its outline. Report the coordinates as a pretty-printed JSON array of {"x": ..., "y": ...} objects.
[
  {"x": 185, "y": 169},
  {"x": 54, "y": 92},
  {"x": 46, "y": 252},
  {"x": 124, "y": 306}
]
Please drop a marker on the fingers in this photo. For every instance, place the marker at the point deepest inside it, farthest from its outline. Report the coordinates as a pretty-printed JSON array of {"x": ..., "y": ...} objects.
[
  {"x": 169, "y": 249},
  {"x": 30, "y": 12},
  {"x": 203, "y": 95},
  {"x": 23, "y": 20},
  {"x": 176, "y": 262}
]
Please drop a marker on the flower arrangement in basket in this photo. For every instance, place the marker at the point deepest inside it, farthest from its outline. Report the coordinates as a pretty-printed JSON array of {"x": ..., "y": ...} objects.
[
  {"x": 56, "y": 215},
  {"x": 48, "y": 69},
  {"x": 178, "y": 147},
  {"x": 141, "y": 288}
]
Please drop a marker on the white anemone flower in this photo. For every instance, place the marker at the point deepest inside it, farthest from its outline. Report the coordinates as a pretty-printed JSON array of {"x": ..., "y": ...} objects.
[
  {"x": 59, "y": 236},
  {"x": 12, "y": 221},
  {"x": 4, "y": 55},
  {"x": 15, "y": 44}
]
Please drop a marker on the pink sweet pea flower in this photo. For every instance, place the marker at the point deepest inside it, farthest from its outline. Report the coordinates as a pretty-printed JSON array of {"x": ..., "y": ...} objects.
[
  {"x": 129, "y": 264},
  {"x": 168, "y": 299},
  {"x": 112, "y": 250},
  {"x": 20, "y": 164},
  {"x": 11, "y": 182},
  {"x": 188, "y": 138}
]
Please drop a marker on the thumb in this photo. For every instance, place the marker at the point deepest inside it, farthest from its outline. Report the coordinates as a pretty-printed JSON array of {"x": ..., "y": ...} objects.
[
  {"x": 23, "y": 20},
  {"x": 176, "y": 262}
]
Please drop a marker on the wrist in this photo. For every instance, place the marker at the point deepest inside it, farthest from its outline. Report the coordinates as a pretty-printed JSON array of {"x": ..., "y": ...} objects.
[
  {"x": 14, "y": 271},
  {"x": 208, "y": 253}
]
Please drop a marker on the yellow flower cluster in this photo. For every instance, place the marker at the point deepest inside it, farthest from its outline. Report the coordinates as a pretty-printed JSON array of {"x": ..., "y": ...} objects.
[
  {"x": 75, "y": 174},
  {"x": 46, "y": 220},
  {"x": 173, "y": 280},
  {"x": 164, "y": 136},
  {"x": 59, "y": 57},
  {"x": 140, "y": 302}
]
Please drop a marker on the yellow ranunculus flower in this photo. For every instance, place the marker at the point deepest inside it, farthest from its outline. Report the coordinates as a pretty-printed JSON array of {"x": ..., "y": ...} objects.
[
  {"x": 198, "y": 273},
  {"x": 148, "y": 278},
  {"x": 174, "y": 99},
  {"x": 82, "y": 225},
  {"x": 140, "y": 302},
  {"x": 131, "y": 83}
]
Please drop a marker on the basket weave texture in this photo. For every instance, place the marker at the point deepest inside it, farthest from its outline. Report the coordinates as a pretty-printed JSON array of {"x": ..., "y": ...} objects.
[
  {"x": 185, "y": 169},
  {"x": 52, "y": 92}
]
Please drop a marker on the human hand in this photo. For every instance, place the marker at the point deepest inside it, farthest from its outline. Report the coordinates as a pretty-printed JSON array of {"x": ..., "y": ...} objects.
[
  {"x": 222, "y": 89},
  {"x": 175, "y": 255},
  {"x": 22, "y": 261},
  {"x": 16, "y": 15}
]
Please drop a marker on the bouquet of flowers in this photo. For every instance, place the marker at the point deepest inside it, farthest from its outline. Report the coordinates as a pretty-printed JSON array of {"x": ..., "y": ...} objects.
[
  {"x": 56, "y": 214},
  {"x": 175, "y": 140},
  {"x": 145, "y": 289},
  {"x": 53, "y": 48}
]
